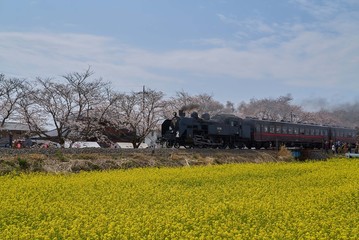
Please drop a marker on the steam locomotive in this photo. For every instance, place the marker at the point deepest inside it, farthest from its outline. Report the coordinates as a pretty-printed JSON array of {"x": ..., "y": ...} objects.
[{"x": 230, "y": 131}]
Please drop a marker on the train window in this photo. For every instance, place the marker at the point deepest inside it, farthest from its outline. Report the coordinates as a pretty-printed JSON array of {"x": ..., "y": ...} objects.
[
  {"x": 325, "y": 132},
  {"x": 301, "y": 130},
  {"x": 271, "y": 129},
  {"x": 284, "y": 129},
  {"x": 258, "y": 128},
  {"x": 296, "y": 130},
  {"x": 265, "y": 128},
  {"x": 290, "y": 130},
  {"x": 234, "y": 123},
  {"x": 307, "y": 131},
  {"x": 317, "y": 132},
  {"x": 312, "y": 132},
  {"x": 278, "y": 129}
]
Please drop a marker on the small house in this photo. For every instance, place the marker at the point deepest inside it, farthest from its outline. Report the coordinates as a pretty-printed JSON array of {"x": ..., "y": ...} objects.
[{"x": 11, "y": 131}]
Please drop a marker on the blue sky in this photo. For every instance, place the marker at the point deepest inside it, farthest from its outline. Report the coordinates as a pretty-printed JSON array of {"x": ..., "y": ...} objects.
[{"x": 232, "y": 49}]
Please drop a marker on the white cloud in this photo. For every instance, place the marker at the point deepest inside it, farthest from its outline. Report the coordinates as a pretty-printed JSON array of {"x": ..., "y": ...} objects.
[
  {"x": 320, "y": 9},
  {"x": 48, "y": 50},
  {"x": 286, "y": 54}
]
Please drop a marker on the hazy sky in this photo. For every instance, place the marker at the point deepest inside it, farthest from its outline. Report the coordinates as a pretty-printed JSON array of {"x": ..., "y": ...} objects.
[{"x": 232, "y": 49}]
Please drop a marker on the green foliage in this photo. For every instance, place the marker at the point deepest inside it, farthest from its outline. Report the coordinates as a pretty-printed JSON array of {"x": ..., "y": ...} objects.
[
  {"x": 60, "y": 156},
  {"x": 23, "y": 164}
]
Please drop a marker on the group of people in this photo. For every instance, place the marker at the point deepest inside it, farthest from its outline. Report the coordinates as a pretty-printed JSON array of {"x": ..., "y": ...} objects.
[
  {"x": 27, "y": 143},
  {"x": 341, "y": 148}
]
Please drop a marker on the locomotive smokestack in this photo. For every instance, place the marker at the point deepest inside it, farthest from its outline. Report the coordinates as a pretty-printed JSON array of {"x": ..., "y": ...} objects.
[{"x": 181, "y": 113}]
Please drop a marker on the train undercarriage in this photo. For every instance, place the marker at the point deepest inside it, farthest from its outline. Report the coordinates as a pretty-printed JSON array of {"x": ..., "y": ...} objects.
[
  {"x": 233, "y": 142},
  {"x": 208, "y": 141}
]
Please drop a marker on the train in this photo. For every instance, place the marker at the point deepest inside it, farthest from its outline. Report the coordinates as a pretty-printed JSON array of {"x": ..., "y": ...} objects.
[{"x": 230, "y": 131}]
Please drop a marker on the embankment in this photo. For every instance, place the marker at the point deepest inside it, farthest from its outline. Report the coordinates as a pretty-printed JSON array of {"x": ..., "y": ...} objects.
[{"x": 87, "y": 159}]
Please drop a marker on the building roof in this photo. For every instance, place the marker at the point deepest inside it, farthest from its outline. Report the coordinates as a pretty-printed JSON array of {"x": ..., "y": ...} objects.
[{"x": 14, "y": 126}]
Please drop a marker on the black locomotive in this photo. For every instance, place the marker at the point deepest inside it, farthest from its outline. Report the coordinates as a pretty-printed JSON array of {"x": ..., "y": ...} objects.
[{"x": 230, "y": 131}]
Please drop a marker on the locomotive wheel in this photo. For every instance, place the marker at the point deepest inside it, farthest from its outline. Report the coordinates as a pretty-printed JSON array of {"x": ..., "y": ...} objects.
[
  {"x": 176, "y": 145},
  {"x": 224, "y": 146},
  {"x": 169, "y": 144},
  {"x": 232, "y": 146}
]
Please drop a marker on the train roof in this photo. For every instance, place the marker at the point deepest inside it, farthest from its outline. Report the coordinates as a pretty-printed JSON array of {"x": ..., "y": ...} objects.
[
  {"x": 222, "y": 117},
  {"x": 299, "y": 123}
]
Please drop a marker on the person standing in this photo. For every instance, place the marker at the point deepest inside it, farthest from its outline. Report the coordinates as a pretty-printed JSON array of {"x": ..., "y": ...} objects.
[
  {"x": 10, "y": 140},
  {"x": 333, "y": 149}
]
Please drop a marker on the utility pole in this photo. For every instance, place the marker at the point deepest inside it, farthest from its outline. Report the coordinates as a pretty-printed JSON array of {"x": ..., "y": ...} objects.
[
  {"x": 143, "y": 98},
  {"x": 143, "y": 109}
]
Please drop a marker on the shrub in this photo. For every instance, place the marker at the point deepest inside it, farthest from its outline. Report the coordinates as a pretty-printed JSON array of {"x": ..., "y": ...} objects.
[
  {"x": 23, "y": 164},
  {"x": 60, "y": 156},
  {"x": 285, "y": 154}
]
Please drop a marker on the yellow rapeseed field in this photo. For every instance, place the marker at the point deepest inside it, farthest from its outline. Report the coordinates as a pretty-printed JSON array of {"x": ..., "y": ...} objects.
[{"x": 307, "y": 200}]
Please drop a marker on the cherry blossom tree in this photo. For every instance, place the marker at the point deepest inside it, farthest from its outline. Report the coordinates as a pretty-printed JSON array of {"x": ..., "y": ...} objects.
[
  {"x": 75, "y": 106},
  {"x": 11, "y": 91},
  {"x": 140, "y": 112},
  {"x": 279, "y": 109},
  {"x": 30, "y": 112},
  {"x": 55, "y": 102},
  {"x": 201, "y": 103},
  {"x": 93, "y": 99}
]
